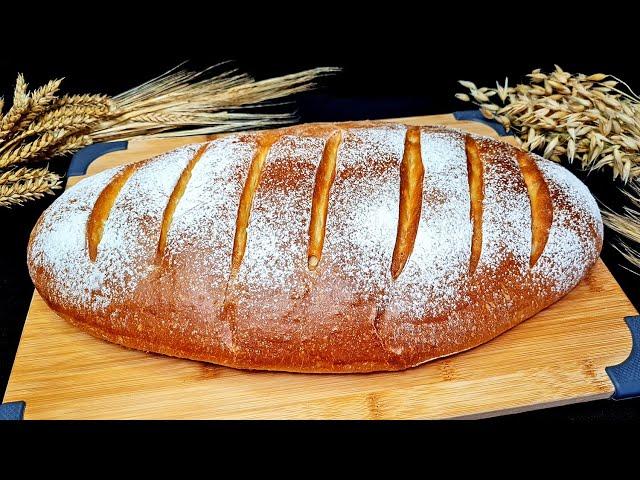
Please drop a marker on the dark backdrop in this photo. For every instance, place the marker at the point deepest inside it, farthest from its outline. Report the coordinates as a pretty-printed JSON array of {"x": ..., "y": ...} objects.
[{"x": 413, "y": 74}]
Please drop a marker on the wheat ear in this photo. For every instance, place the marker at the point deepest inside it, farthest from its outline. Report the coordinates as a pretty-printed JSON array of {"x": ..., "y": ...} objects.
[
  {"x": 21, "y": 185},
  {"x": 39, "y": 101},
  {"x": 17, "y": 110}
]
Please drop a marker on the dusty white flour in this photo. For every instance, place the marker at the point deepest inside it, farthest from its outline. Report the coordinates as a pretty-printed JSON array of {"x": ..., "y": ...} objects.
[{"x": 360, "y": 233}]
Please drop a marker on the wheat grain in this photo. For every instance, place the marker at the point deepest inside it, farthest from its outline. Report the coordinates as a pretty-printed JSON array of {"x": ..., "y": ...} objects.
[
  {"x": 17, "y": 110},
  {"x": 70, "y": 118},
  {"x": 84, "y": 100},
  {"x": 20, "y": 92},
  {"x": 21, "y": 174},
  {"x": 39, "y": 101},
  {"x": 31, "y": 149},
  {"x": 34, "y": 185},
  {"x": 73, "y": 143}
]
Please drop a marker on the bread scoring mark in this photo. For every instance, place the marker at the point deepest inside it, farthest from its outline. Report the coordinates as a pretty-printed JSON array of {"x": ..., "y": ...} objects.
[
  {"x": 541, "y": 205},
  {"x": 102, "y": 209},
  {"x": 176, "y": 195},
  {"x": 475, "y": 173},
  {"x": 325, "y": 176},
  {"x": 411, "y": 182},
  {"x": 228, "y": 317},
  {"x": 246, "y": 200},
  {"x": 376, "y": 323}
]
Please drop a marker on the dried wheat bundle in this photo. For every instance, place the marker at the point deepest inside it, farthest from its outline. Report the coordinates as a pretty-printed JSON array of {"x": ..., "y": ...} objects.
[
  {"x": 180, "y": 99},
  {"x": 42, "y": 124},
  {"x": 594, "y": 118}
]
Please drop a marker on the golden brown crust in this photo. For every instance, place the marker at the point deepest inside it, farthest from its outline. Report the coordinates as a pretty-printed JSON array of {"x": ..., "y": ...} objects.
[
  {"x": 102, "y": 208},
  {"x": 325, "y": 177},
  {"x": 541, "y": 206},
  {"x": 476, "y": 193},
  {"x": 411, "y": 180},
  {"x": 354, "y": 312},
  {"x": 176, "y": 195}
]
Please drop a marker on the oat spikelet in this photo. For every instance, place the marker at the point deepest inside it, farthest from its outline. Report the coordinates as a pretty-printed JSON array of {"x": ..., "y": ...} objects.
[
  {"x": 627, "y": 224},
  {"x": 592, "y": 119},
  {"x": 34, "y": 184}
]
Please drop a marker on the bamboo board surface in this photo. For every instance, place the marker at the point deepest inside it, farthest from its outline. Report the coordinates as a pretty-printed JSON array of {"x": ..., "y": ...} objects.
[{"x": 554, "y": 358}]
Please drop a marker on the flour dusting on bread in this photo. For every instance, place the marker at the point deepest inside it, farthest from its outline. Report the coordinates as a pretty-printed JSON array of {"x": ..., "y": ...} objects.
[{"x": 347, "y": 314}]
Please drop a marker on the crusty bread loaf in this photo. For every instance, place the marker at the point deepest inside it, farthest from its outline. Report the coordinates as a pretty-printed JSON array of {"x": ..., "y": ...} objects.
[{"x": 317, "y": 248}]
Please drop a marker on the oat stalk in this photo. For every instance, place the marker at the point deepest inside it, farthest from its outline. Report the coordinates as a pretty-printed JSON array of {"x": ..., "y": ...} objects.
[{"x": 593, "y": 119}]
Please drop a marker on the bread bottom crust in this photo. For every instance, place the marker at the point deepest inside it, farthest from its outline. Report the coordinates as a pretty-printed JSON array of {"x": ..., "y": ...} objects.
[{"x": 137, "y": 343}]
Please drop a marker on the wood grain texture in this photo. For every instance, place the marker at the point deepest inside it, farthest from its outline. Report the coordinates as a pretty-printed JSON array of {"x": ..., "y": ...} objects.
[{"x": 554, "y": 358}]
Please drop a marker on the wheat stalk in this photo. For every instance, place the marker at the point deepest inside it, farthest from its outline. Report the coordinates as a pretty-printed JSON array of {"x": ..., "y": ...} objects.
[
  {"x": 73, "y": 143},
  {"x": 41, "y": 124},
  {"x": 39, "y": 100},
  {"x": 17, "y": 110},
  {"x": 22, "y": 185},
  {"x": 84, "y": 100},
  {"x": 72, "y": 119},
  {"x": 190, "y": 99},
  {"x": 32, "y": 149},
  {"x": 22, "y": 174},
  {"x": 627, "y": 224}
]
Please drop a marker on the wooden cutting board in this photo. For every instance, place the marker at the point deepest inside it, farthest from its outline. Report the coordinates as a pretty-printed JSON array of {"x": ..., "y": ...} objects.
[{"x": 557, "y": 357}]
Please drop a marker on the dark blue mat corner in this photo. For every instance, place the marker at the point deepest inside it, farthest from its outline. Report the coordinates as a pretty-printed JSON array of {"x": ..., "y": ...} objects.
[{"x": 12, "y": 410}]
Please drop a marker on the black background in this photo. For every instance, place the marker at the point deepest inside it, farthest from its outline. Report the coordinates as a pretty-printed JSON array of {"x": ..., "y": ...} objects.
[{"x": 404, "y": 64}]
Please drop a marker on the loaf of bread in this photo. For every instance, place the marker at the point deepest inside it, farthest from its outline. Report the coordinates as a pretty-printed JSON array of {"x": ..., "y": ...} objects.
[{"x": 334, "y": 248}]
